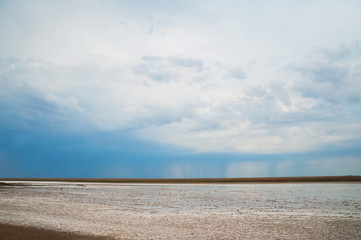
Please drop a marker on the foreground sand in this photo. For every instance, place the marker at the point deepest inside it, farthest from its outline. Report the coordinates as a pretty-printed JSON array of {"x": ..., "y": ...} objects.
[
  {"x": 270, "y": 211},
  {"x": 264, "y": 229},
  {"x": 10, "y": 232}
]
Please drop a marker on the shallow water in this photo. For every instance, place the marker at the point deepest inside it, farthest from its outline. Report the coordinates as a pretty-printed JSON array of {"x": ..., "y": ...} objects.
[{"x": 160, "y": 210}]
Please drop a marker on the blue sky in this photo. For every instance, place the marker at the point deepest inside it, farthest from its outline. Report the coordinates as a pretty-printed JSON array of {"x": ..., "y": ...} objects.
[{"x": 180, "y": 88}]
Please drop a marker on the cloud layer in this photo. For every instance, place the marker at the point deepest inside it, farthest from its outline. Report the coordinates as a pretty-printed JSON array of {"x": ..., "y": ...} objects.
[
  {"x": 308, "y": 104},
  {"x": 200, "y": 76}
]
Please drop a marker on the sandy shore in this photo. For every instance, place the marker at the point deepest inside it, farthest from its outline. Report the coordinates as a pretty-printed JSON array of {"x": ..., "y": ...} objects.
[
  {"x": 248, "y": 229},
  {"x": 160, "y": 211},
  {"x": 11, "y": 232}
]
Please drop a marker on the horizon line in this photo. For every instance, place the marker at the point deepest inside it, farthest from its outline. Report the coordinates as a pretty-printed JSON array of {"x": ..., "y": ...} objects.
[{"x": 347, "y": 178}]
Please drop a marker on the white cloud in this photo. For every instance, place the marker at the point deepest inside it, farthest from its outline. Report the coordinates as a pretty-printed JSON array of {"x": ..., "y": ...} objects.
[
  {"x": 237, "y": 73},
  {"x": 187, "y": 62},
  {"x": 98, "y": 66}
]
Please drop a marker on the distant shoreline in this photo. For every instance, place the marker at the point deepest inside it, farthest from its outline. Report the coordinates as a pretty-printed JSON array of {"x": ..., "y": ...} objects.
[{"x": 324, "y": 179}]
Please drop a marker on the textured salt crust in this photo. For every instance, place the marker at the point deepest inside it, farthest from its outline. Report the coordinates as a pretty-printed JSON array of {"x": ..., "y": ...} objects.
[{"x": 166, "y": 211}]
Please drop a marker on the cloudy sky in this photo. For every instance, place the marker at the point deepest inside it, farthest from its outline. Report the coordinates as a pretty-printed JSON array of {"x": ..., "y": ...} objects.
[{"x": 180, "y": 88}]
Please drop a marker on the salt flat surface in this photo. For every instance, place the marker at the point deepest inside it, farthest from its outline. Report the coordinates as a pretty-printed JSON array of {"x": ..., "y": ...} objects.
[{"x": 181, "y": 211}]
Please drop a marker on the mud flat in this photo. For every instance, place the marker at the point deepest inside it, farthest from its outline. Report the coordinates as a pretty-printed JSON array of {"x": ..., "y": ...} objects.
[{"x": 181, "y": 211}]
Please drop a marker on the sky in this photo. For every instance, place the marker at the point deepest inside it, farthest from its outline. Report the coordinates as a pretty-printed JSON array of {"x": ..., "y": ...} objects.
[{"x": 180, "y": 89}]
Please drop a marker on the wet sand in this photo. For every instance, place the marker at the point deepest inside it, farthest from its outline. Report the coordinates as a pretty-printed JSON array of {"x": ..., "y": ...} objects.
[
  {"x": 169, "y": 211},
  {"x": 11, "y": 232}
]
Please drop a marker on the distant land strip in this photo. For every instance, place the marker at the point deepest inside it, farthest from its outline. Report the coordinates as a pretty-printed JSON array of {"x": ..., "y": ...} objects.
[{"x": 198, "y": 180}]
